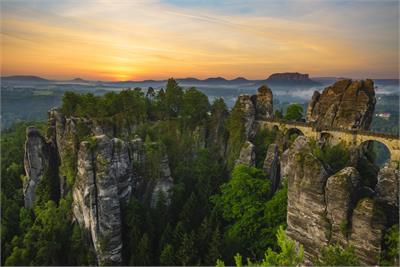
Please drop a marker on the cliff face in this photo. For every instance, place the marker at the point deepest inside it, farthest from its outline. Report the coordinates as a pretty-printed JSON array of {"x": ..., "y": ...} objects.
[
  {"x": 100, "y": 172},
  {"x": 36, "y": 162},
  {"x": 346, "y": 104},
  {"x": 105, "y": 179},
  {"x": 290, "y": 79},
  {"x": 326, "y": 208},
  {"x": 255, "y": 107}
]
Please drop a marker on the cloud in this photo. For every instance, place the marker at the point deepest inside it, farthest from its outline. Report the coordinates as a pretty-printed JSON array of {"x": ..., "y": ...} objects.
[{"x": 153, "y": 39}]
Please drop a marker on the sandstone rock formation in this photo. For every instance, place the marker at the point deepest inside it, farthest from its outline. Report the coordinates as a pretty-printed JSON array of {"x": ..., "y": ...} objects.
[
  {"x": 247, "y": 155},
  {"x": 36, "y": 162},
  {"x": 306, "y": 211},
  {"x": 248, "y": 109},
  {"x": 328, "y": 209},
  {"x": 255, "y": 107},
  {"x": 271, "y": 167},
  {"x": 164, "y": 184},
  {"x": 387, "y": 192},
  {"x": 368, "y": 224},
  {"x": 341, "y": 193},
  {"x": 346, "y": 104},
  {"x": 264, "y": 103},
  {"x": 290, "y": 79},
  {"x": 103, "y": 182}
]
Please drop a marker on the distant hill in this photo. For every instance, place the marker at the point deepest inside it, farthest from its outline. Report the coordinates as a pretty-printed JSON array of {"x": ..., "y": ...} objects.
[
  {"x": 23, "y": 78},
  {"x": 289, "y": 79},
  {"x": 240, "y": 80},
  {"x": 215, "y": 80}
]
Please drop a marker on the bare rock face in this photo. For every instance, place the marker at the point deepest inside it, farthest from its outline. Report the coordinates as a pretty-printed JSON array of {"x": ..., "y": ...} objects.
[
  {"x": 247, "y": 107},
  {"x": 368, "y": 224},
  {"x": 328, "y": 209},
  {"x": 104, "y": 181},
  {"x": 341, "y": 196},
  {"x": 387, "y": 192},
  {"x": 306, "y": 211},
  {"x": 264, "y": 103},
  {"x": 247, "y": 155},
  {"x": 164, "y": 184},
  {"x": 346, "y": 104},
  {"x": 272, "y": 167},
  {"x": 36, "y": 162}
]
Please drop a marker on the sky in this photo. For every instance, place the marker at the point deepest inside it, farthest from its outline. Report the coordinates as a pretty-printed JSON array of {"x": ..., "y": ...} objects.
[{"x": 157, "y": 39}]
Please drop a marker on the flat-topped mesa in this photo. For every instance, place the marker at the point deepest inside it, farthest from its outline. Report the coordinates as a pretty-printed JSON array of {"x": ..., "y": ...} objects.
[{"x": 346, "y": 104}]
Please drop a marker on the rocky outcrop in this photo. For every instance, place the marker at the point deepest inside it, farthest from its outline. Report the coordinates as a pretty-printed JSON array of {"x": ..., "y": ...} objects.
[
  {"x": 104, "y": 181},
  {"x": 164, "y": 184},
  {"x": 255, "y": 107},
  {"x": 264, "y": 103},
  {"x": 341, "y": 193},
  {"x": 247, "y": 155},
  {"x": 368, "y": 224},
  {"x": 387, "y": 192},
  {"x": 35, "y": 163},
  {"x": 272, "y": 168},
  {"x": 290, "y": 78},
  {"x": 246, "y": 105},
  {"x": 326, "y": 209},
  {"x": 346, "y": 104},
  {"x": 306, "y": 210}
]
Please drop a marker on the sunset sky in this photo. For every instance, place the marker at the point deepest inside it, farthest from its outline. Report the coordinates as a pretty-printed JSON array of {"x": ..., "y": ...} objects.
[{"x": 134, "y": 40}]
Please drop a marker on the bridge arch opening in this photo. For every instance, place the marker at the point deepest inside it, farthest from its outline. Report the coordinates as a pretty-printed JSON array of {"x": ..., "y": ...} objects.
[
  {"x": 373, "y": 156},
  {"x": 377, "y": 152},
  {"x": 291, "y": 135}
]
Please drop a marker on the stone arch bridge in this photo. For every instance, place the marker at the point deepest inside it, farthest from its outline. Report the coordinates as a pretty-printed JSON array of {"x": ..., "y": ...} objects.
[{"x": 352, "y": 138}]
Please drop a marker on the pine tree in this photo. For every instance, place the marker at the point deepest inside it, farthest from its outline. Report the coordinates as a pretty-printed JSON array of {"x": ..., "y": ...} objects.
[
  {"x": 186, "y": 254},
  {"x": 167, "y": 256},
  {"x": 214, "y": 251},
  {"x": 143, "y": 253}
]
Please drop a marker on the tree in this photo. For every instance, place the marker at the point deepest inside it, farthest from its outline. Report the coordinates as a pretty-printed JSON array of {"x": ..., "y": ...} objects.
[
  {"x": 195, "y": 106},
  {"x": 214, "y": 248},
  {"x": 241, "y": 202},
  {"x": 334, "y": 255},
  {"x": 187, "y": 251},
  {"x": 173, "y": 98},
  {"x": 278, "y": 114},
  {"x": 336, "y": 156},
  {"x": 290, "y": 254},
  {"x": 390, "y": 254},
  {"x": 167, "y": 256},
  {"x": 294, "y": 112},
  {"x": 143, "y": 253}
]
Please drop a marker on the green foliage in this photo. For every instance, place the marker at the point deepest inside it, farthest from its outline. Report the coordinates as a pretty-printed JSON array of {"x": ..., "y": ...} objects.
[
  {"x": 173, "y": 98},
  {"x": 278, "y": 114},
  {"x": 262, "y": 139},
  {"x": 334, "y": 255},
  {"x": 294, "y": 112},
  {"x": 390, "y": 254},
  {"x": 253, "y": 218},
  {"x": 48, "y": 240},
  {"x": 186, "y": 253},
  {"x": 195, "y": 107},
  {"x": 336, "y": 156},
  {"x": 167, "y": 257},
  {"x": 12, "y": 169},
  {"x": 344, "y": 227},
  {"x": 289, "y": 255},
  {"x": 236, "y": 131}
]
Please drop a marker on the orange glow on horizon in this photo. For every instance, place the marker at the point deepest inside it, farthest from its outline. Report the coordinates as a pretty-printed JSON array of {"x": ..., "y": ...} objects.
[{"x": 153, "y": 40}]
